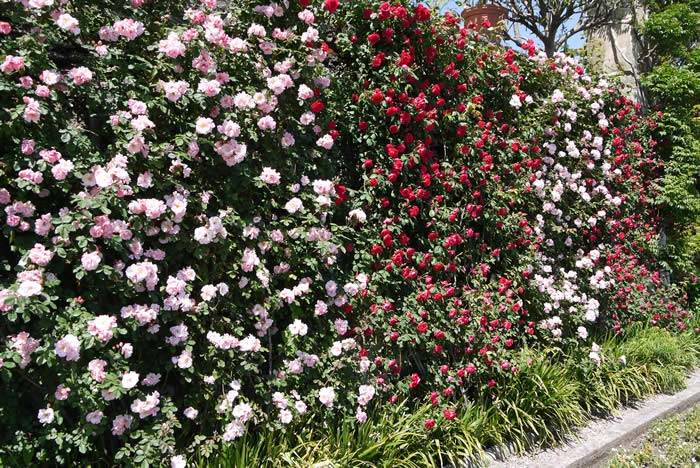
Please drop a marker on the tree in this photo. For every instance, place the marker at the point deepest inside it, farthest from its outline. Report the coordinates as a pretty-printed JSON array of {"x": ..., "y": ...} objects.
[{"x": 554, "y": 22}]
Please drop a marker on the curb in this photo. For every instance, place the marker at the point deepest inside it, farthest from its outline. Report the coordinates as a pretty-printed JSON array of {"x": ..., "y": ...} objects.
[{"x": 593, "y": 443}]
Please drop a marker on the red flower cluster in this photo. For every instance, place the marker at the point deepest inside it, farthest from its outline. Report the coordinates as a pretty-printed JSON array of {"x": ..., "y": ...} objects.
[{"x": 499, "y": 213}]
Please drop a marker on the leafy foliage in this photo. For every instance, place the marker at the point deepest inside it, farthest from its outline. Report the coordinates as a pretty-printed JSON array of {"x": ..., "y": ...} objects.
[
  {"x": 538, "y": 408},
  {"x": 672, "y": 31}
]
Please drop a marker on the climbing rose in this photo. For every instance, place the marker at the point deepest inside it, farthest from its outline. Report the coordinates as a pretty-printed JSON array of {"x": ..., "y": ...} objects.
[
  {"x": 331, "y": 5},
  {"x": 68, "y": 348}
]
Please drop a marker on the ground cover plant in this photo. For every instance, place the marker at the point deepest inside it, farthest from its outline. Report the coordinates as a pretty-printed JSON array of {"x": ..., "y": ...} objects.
[{"x": 234, "y": 222}]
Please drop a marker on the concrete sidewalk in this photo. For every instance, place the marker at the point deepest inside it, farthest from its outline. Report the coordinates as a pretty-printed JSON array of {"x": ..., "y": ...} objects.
[{"x": 592, "y": 444}]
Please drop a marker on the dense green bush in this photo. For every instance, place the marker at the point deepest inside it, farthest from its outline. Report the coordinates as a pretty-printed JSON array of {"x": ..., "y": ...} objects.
[{"x": 672, "y": 83}]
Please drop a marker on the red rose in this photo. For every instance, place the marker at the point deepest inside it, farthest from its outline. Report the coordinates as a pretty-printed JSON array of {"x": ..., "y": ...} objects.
[
  {"x": 434, "y": 398},
  {"x": 317, "y": 106},
  {"x": 429, "y": 424},
  {"x": 331, "y": 5},
  {"x": 422, "y": 13},
  {"x": 405, "y": 58},
  {"x": 377, "y": 60},
  {"x": 377, "y": 97}
]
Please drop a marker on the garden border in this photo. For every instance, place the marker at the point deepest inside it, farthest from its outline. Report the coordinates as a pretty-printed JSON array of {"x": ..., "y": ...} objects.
[{"x": 594, "y": 442}]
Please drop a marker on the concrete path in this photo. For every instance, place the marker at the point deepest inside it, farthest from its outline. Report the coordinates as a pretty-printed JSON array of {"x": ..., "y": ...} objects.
[{"x": 592, "y": 444}]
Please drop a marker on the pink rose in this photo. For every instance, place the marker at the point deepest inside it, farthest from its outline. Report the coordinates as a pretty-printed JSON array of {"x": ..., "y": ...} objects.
[
  {"x": 68, "y": 348},
  {"x": 12, "y": 64},
  {"x": 91, "y": 260},
  {"x": 80, "y": 75}
]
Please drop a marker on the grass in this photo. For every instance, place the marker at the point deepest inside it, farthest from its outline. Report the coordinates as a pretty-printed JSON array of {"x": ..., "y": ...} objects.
[
  {"x": 392, "y": 438},
  {"x": 657, "y": 362},
  {"x": 673, "y": 443},
  {"x": 546, "y": 401}
]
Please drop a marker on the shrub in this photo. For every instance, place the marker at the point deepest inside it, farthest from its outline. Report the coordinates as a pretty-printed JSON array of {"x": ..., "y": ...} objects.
[
  {"x": 168, "y": 199},
  {"x": 508, "y": 200},
  {"x": 226, "y": 217},
  {"x": 672, "y": 85}
]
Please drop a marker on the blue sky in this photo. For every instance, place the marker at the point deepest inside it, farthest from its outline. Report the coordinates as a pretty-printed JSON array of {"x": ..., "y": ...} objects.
[{"x": 575, "y": 42}]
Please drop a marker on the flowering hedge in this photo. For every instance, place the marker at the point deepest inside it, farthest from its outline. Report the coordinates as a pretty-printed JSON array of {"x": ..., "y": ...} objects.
[
  {"x": 227, "y": 216},
  {"x": 508, "y": 200}
]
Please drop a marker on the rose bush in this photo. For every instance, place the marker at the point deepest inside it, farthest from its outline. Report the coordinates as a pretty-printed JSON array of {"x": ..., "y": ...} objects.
[
  {"x": 506, "y": 200},
  {"x": 222, "y": 216},
  {"x": 167, "y": 197}
]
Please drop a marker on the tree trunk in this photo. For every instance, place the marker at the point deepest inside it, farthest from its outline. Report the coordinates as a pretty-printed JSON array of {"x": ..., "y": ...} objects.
[{"x": 550, "y": 47}]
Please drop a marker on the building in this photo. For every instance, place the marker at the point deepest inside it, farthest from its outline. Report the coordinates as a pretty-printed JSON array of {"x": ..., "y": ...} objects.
[{"x": 617, "y": 50}]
